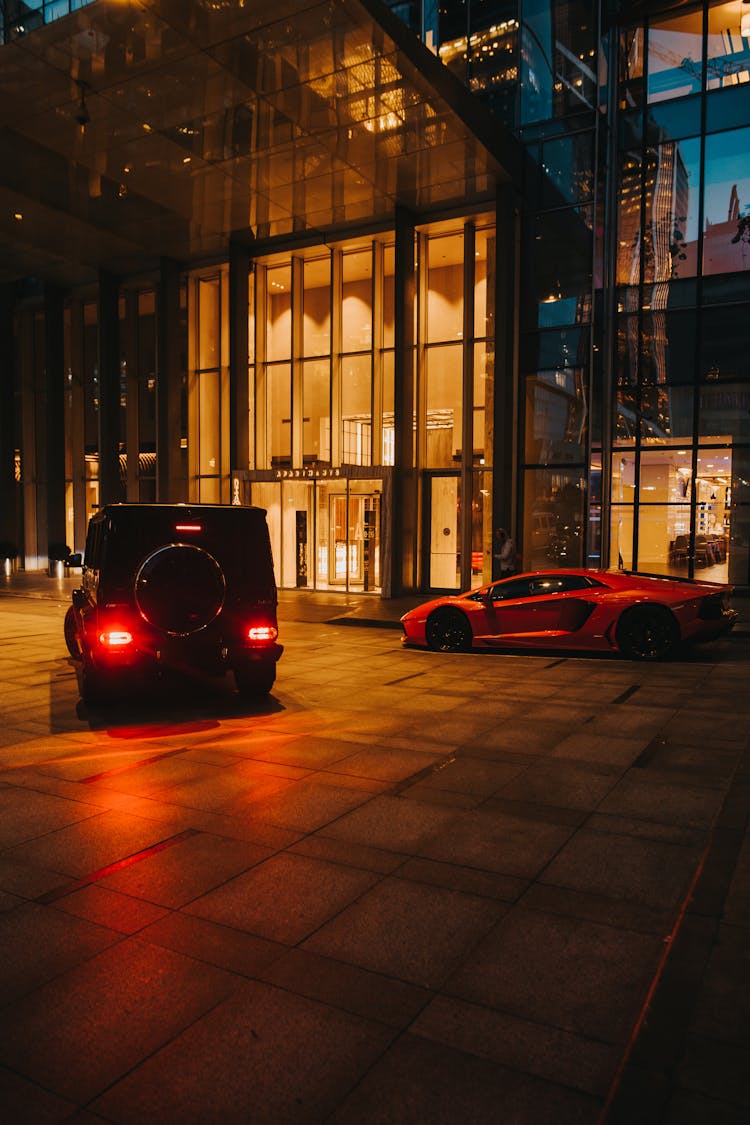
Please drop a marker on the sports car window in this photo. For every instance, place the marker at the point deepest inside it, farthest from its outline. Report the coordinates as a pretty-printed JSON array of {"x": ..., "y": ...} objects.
[
  {"x": 558, "y": 583},
  {"x": 509, "y": 591}
]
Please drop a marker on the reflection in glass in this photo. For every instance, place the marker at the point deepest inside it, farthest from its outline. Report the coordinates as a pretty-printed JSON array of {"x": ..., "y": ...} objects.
[
  {"x": 675, "y": 54},
  {"x": 556, "y": 416},
  {"x": 728, "y": 51},
  {"x": 481, "y": 529},
  {"x": 726, "y": 236},
  {"x": 553, "y": 518},
  {"x": 725, "y": 355}
]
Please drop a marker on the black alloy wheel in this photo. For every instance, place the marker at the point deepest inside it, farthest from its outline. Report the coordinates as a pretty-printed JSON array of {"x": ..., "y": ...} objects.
[
  {"x": 447, "y": 630},
  {"x": 647, "y": 633},
  {"x": 70, "y": 631}
]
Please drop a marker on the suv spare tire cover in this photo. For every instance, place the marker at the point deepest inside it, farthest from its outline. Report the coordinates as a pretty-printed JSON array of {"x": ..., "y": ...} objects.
[{"x": 180, "y": 589}]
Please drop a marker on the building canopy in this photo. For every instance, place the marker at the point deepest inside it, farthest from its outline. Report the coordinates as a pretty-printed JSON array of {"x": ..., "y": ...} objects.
[{"x": 133, "y": 130}]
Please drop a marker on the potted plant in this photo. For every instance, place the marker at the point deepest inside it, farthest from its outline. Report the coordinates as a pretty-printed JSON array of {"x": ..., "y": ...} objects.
[
  {"x": 57, "y": 553},
  {"x": 8, "y": 556}
]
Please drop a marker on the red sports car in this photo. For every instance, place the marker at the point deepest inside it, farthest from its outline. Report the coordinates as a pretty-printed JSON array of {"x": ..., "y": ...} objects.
[{"x": 644, "y": 618}]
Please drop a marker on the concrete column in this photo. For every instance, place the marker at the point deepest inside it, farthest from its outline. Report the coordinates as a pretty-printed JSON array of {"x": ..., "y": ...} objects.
[{"x": 8, "y": 488}]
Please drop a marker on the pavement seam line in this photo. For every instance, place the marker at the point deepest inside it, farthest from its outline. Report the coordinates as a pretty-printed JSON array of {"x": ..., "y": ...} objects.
[{"x": 53, "y": 896}]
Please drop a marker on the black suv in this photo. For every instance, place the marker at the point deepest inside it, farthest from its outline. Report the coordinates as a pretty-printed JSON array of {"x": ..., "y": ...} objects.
[{"x": 173, "y": 587}]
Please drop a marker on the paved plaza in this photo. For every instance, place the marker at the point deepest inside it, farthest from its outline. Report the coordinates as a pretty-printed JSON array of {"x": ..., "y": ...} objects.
[{"x": 409, "y": 887}]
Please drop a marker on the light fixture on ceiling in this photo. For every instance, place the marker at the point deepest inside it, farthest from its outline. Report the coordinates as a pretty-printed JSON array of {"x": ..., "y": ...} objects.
[{"x": 82, "y": 116}]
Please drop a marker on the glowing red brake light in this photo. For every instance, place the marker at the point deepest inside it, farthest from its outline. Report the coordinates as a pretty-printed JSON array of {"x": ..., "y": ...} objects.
[
  {"x": 192, "y": 527},
  {"x": 260, "y": 633},
  {"x": 116, "y": 638}
]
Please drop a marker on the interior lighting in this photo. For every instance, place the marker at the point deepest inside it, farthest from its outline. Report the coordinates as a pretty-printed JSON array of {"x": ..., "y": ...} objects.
[
  {"x": 82, "y": 115},
  {"x": 745, "y": 21},
  {"x": 18, "y": 216}
]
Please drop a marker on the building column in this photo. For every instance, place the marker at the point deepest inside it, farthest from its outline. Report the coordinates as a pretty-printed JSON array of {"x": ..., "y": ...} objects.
[
  {"x": 52, "y": 405},
  {"x": 405, "y": 508},
  {"x": 9, "y": 530},
  {"x": 171, "y": 485},
  {"x": 239, "y": 350},
  {"x": 505, "y": 409},
  {"x": 108, "y": 358}
]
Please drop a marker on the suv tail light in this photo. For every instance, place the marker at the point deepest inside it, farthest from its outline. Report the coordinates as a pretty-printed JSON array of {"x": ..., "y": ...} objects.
[
  {"x": 261, "y": 634},
  {"x": 116, "y": 638}
]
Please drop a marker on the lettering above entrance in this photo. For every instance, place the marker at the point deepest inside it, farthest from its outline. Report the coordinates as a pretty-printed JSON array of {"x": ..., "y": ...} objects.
[{"x": 307, "y": 474}]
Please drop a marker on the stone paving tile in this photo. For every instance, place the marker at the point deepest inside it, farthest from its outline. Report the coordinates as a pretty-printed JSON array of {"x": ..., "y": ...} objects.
[
  {"x": 385, "y": 764},
  {"x": 605, "y": 911},
  {"x": 391, "y": 823},
  {"x": 284, "y": 899},
  {"x": 624, "y": 868},
  {"x": 548, "y": 1052},
  {"x": 350, "y": 987},
  {"x": 85, "y": 847},
  {"x": 25, "y": 815},
  {"x": 497, "y": 841},
  {"x": 193, "y": 867},
  {"x": 223, "y": 946},
  {"x": 81, "y": 1032},
  {"x": 649, "y": 798},
  {"x": 415, "y": 932},
  {"x": 348, "y": 854},
  {"x": 308, "y": 805},
  {"x": 38, "y": 944},
  {"x": 574, "y": 785},
  {"x": 584, "y": 747},
  {"x": 297, "y": 1055},
  {"x": 723, "y": 1010},
  {"x": 570, "y": 973},
  {"x": 469, "y": 880},
  {"x": 117, "y": 912},
  {"x": 420, "y": 1081},
  {"x": 717, "y": 1069},
  {"x": 25, "y": 1103},
  {"x": 474, "y": 776}
]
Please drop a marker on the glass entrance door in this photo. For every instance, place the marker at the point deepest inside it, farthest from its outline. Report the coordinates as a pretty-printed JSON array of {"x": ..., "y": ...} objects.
[
  {"x": 444, "y": 500},
  {"x": 353, "y": 553}
]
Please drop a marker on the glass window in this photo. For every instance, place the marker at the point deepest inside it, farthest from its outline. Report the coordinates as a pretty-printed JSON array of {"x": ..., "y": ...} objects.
[
  {"x": 279, "y": 413},
  {"x": 251, "y": 318},
  {"x": 388, "y": 452},
  {"x": 553, "y": 518},
  {"x": 209, "y": 327},
  {"x": 443, "y": 402},
  {"x": 316, "y": 307},
  {"x": 556, "y": 416},
  {"x": 481, "y": 528},
  {"x": 445, "y": 288},
  {"x": 389, "y": 260},
  {"x": 724, "y": 411},
  {"x": 559, "y": 268},
  {"x": 484, "y": 363},
  {"x": 631, "y": 67},
  {"x": 279, "y": 313},
  {"x": 725, "y": 355},
  {"x": 356, "y": 410},
  {"x": 356, "y": 306},
  {"x": 558, "y": 67},
  {"x": 484, "y": 313},
  {"x": 568, "y": 164},
  {"x": 316, "y": 410},
  {"x": 621, "y": 536},
  {"x": 675, "y": 55},
  {"x": 726, "y": 234},
  {"x": 209, "y": 437},
  {"x": 728, "y": 55}
]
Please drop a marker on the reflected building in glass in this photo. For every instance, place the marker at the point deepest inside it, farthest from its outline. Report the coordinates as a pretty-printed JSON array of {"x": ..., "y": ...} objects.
[{"x": 396, "y": 292}]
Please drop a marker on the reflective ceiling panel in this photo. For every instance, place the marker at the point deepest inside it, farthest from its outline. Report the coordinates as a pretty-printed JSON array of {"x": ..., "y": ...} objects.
[{"x": 224, "y": 119}]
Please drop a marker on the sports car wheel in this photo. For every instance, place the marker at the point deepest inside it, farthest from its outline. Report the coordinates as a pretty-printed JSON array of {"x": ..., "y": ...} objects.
[
  {"x": 69, "y": 629},
  {"x": 647, "y": 633},
  {"x": 447, "y": 630}
]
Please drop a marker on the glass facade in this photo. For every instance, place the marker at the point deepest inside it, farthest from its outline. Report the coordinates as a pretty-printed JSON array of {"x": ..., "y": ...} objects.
[
  {"x": 19, "y": 17},
  {"x": 615, "y": 426}
]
